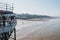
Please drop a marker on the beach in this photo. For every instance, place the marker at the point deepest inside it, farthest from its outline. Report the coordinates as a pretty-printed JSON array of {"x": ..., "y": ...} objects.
[{"x": 37, "y": 30}]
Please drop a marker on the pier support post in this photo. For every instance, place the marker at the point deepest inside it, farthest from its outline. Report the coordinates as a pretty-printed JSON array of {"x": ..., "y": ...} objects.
[
  {"x": 14, "y": 34},
  {"x": 6, "y": 36}
]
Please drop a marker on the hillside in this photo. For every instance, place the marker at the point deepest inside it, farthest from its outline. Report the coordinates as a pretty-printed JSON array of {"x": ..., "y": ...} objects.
[{"x": 29, "y": 16}]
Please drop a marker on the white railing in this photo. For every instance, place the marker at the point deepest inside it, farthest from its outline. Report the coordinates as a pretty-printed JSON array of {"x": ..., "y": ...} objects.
[
  {"x": 8, "y": 23},
  {"x": 6, "y": 7}
]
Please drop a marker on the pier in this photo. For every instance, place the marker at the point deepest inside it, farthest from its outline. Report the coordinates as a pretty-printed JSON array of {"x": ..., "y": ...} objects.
[{"x": 7, "y": 21}]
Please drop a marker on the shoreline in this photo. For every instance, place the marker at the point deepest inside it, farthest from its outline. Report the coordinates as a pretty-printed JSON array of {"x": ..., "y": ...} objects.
[{"x": 35, "y": 19}]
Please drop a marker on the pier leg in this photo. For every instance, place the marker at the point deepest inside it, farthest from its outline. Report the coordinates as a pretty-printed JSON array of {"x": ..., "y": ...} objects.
[
  {"x": 14, "y": 34},
  {"x": 4, "y": 36}
]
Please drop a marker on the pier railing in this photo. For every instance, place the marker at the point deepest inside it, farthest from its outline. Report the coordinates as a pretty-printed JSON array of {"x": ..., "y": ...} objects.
[
  {"x": 7, "y": 23},
  {"x": 6, "y": 7}
]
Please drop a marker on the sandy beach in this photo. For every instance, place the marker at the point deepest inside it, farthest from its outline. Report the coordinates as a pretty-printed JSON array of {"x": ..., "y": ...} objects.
[{"x": 38, "y": 30}]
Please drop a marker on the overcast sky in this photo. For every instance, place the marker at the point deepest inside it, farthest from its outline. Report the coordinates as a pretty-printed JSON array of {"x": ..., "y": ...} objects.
[{"x": 40, "y": 7}]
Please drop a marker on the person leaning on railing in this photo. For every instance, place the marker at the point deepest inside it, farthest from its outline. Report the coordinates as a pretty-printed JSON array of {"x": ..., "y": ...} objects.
[
  {"x": 0, "y": 20},
  {"x": 3, "y": 19},
  {"x": 11, "y": 19}
]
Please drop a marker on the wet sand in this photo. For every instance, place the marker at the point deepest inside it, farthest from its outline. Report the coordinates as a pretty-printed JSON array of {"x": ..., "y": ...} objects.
[
  {"x": 38, "y": 36},
  {"x": 38, "y": 30}
]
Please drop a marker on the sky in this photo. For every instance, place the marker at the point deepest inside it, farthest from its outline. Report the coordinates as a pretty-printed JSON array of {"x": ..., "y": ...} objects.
[{"x": 39, "y": 7}]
